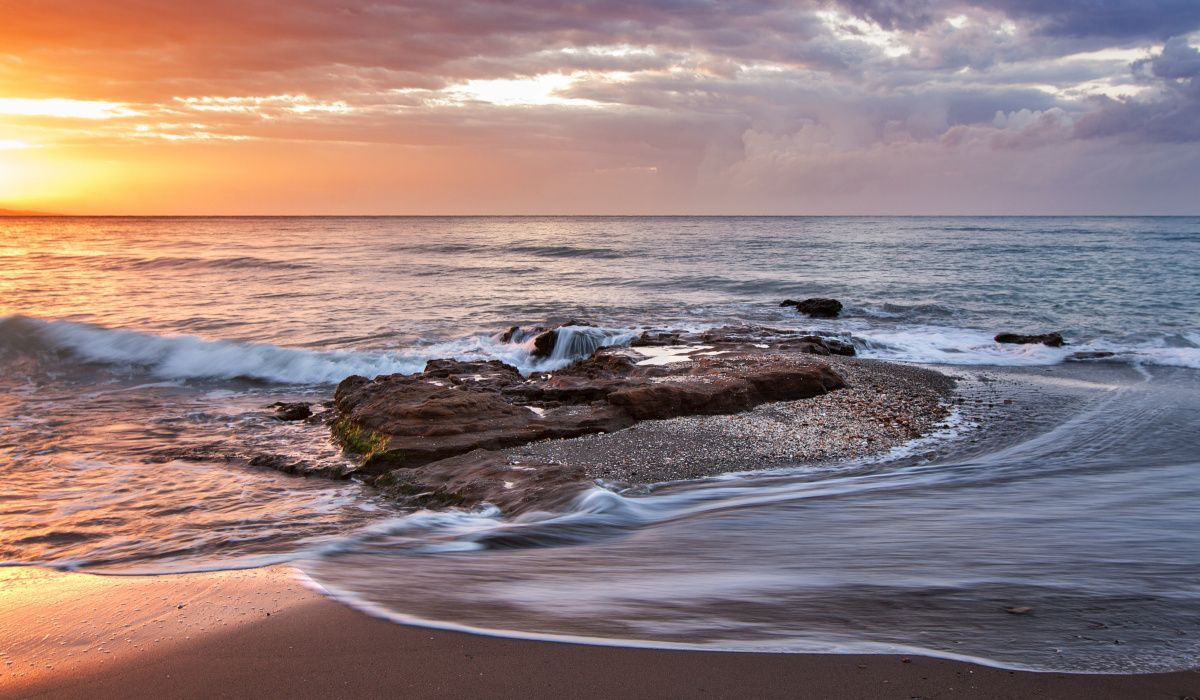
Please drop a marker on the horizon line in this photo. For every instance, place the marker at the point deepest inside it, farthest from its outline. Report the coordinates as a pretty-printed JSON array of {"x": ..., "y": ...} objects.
[{"x": 17, "y": 214}]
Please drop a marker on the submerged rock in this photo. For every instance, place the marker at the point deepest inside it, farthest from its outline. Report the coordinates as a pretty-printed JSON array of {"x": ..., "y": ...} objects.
[
  {"x": 1054, "y": 340},
  {"x": 416, "y": 428},
  {"x": 816, "y": 307},
  {"x": 1090, "y": 355},
  {"x": 656, "y": 338},
  {"x": 821, "y": 345},
  {"x": 292, "y": 411},
  {"x": 301, "y": 467}
]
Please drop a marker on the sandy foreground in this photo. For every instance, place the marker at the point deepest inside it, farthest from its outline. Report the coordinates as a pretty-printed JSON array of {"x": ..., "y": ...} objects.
[{"x": 265, "y": 633}]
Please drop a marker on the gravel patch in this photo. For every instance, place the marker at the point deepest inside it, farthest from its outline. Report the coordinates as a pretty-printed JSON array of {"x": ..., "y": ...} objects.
[{"x": 883, "y": 406}]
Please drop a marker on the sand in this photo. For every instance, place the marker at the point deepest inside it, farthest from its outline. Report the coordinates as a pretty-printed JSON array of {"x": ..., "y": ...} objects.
[{"x": 264, "y": 633}]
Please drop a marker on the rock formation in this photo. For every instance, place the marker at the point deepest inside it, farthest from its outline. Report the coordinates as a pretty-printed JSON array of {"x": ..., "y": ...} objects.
[
  {"x": 434, "y": 438},
  {"x": 816, "y": 307},
  {"x": 1054, "y": 340}
]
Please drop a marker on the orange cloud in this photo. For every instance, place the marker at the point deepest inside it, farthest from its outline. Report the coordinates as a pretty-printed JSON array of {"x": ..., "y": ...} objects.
[{"x": 655, "y": 106}]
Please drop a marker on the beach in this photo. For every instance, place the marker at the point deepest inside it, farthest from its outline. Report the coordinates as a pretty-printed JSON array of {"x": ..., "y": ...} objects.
[{"x": 268, "y": 634}]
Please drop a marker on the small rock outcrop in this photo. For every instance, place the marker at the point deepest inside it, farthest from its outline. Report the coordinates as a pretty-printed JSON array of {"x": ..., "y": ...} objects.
[
  {"x": 575, "y": 339},
  {"x": 1054, "y": 340},
  {"x": 300, "y": 467},
  {"x": 816, "y": 307},
  {"x": 543, "y": 345},
  {"x": 292, "y": 411}
]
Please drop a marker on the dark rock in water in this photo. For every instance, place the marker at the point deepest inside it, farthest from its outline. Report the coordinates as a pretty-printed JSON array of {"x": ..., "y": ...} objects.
[
  {"x": 426, "y": 422},
  {"x": 570, "y": 342},
  {"x": 292, "y": 411},
  {"x": 656, "y": 338},
  {"x": 821, "y": 345},
  {"x": 215, "y": 452},
  {"x": 517, "y": 334},
  {"x": 300, "y": 467},
  {"x": 1092, "y": 355},
  {"x": 543, "y": 345},
  {"x": 816, "y": 307},
  {"x": 755, "y": 336},
  {"x": 1054, "y": 340}
]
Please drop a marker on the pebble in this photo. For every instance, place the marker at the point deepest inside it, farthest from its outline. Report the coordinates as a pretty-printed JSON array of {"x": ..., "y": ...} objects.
[{"x": 884, "y": 405}]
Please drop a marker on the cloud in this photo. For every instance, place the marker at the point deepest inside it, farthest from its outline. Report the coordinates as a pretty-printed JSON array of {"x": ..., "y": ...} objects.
[
  {"x": 1158, "y": 19},
  {"x": 697, "y": 94},
  {"x": 1170, "y": 114}
]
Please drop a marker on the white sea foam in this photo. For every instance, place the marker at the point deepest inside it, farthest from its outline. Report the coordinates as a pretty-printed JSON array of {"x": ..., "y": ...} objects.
[
  {"x": 959, "y": 346},
  {"x": 182, "y": 357},
  {"x": 189, "y": 357},
  {"x": 185, "y": 357}
]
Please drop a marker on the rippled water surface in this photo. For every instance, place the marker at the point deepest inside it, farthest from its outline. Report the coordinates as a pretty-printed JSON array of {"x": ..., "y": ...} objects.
[{"x": 138, "y": 359}]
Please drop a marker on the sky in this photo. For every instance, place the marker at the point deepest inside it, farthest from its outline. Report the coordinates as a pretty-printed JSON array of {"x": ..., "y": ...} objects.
[{"x": 600, "y": 107}]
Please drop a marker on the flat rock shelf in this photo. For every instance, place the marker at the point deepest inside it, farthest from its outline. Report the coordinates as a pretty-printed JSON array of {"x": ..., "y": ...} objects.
[{"x": 460, "y": 434}]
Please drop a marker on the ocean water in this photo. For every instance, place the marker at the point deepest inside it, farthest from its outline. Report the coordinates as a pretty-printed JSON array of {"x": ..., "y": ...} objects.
[{"x": 138, "y": 358}]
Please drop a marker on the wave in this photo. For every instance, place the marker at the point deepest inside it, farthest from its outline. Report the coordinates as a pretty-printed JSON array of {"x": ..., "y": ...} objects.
[
  {"x": 959, "y": 346},
  {"x": 190, "y": 357},
  {"x": 564, "y": 251},
  {"x": 185, "y": 357},
  {"x": 127, "y": 262},
  {"x": 229, "y": 263}
]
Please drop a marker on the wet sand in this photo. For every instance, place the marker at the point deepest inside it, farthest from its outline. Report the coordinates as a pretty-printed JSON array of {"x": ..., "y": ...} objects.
[{"x": 263, "y": 633}]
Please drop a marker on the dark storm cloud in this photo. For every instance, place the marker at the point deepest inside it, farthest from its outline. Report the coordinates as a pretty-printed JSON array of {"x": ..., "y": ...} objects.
[
  {"x": 1172, "y": 115},
  {"x": 1158, "y": 19}
]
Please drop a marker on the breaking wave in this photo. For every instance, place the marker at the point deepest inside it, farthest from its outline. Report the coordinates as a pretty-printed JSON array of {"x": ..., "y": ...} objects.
[{"x": 189, "y": 357}]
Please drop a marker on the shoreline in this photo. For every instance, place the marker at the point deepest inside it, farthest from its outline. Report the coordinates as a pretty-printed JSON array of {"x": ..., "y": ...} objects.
[
  {"x": 266, "y": 632},
  {"x": 309, "y": 645}
]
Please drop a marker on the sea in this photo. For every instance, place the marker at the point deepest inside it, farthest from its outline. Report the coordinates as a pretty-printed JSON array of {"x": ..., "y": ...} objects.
[{"x": 138, "y": 354}]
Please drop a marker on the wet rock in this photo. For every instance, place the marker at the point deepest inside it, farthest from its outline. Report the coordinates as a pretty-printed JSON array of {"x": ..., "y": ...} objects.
[
  {"x": 410, "y": 421},
  {"x": 486, "y": 476},
  {"x": 572, "y": 342},
  {"x": 292, "y": 411},
  {"x": 656, "y": 338},
  {"x": 517, "y": 334},
  {"x": 1090, "y": 355},
  {"x": 816, "y": 307},
  {"x": 508, "y": 335},
  {"x": 543, "y": 345},
  {"x": 780, "y": 339},
  {"x": 300, "y": 467},
  {"x": 821, "y": 345},
  {"x": 1054, "y": 340}
]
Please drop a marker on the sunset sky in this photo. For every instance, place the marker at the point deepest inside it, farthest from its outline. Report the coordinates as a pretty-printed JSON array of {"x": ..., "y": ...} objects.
[{"x": 664, "y": 106}]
